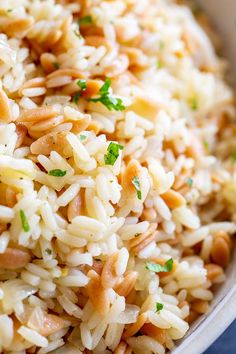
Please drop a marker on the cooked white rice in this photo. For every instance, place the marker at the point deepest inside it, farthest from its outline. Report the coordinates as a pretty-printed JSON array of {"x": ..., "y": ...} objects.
[{"x": 117, "y": 174}]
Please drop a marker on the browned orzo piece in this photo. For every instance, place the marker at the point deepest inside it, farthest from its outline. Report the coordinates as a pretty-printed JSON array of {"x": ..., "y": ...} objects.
[
  {"x": 74, "y": 73},
  {"x": 200, "y": 306},
  {"x": 47, "y": 124},
  {"x": 133, "y": 328},
  {"x": 109, "y": 278},
  {"x": 193, "y": 315},
  {"x": 38, "y": 114},
  {"x": 196, "y": 149},
  {"x": 11, "y": 198},
  {"x": 18, "y": 27},
  {"x": 14, "y": 258},
  {"x": 97, "y": 41},
  {"x": 142, "y": 240},
  {"x": 149, "y": 214},
  {"x": 92, "y": 88},
  {"x": 220, "y": 252},
  {"x": 76, "y": 206},
  {"x": 127, "y": 284},
  {"x": 95, "y": 127},
  {"x": 51, "y": 142},
  {"x": 5, "y": 110},
  {"x": 80, "y": 124},
  {"x": 21, "y": 132},
  {"x": 48, "y": 61},
  {"x": 173, "y": 199},
  {"x": 32, "y": 83},
  {"x": 51, "y": 324},
  {"x": 225, "y": 236},
  {"x": 213, "y": 271},
  {"x": 157, "y": 333},
  {"x": 132, "y": 170},
  {"x": 97, "y": 294}
]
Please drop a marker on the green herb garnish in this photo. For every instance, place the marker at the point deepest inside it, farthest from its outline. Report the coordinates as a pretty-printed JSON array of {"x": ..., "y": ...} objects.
[
  {"x": 158, "y": 64},
  {"x": 24, "y": 221},
  {"x": 233, "y": 156},
  {"x": 193, "y": 103},
  {"x": 82, "y": 137},
  {"x": 56, "y": 65},
  {"x": 107, "y": 99},
  {"x": 159, "y": 306},
  {"x": 189, "y": 181},
  {"x": 157, "y": 268},
  {"x": 57, "y": 173},
  {"x": 86, "y": 20},
  {"x": 82, "y": 84},
  {"x": 136, "y": 183},
  {"x": 206, "y": 145},
  {"x": 76, "y": 97},
  {"x": 9, "y": 10},
  {"x": 48, "y": 251},
  {"x": 112, "y": 153}
]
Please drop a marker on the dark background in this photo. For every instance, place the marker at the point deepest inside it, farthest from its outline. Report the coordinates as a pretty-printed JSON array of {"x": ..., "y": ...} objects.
[{"x": 226, "y": 344}]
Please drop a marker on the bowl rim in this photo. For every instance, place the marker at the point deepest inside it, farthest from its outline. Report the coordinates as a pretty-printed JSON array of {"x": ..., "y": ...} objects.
[{"x": 211, "y": 327}]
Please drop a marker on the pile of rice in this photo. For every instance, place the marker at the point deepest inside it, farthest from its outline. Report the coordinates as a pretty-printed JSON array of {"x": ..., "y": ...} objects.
[{"x": 117, "y": 170}]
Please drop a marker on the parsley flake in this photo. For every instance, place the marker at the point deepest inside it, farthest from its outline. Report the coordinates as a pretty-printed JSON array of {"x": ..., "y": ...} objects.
[
  {"x": 82, "y": 84},
  {"x": 57, "y": 173},
  {"x": 189, "y": 181},
  {"x": 157, "y": 268},
  {"x": 86, "y": 20},
  {"x": 136, "y": 183},
  {"x": 48, "y": 251},
  {"x": 206, "y": 145},
  {"x": 159, "y": 306},
  {"x": 9, "y": 10},
  {"x": 107, "y": 99},
  {"x": 158, "y": 64},
  {"x": 56, "y": 65},
  {"x": 233, "y": 156},
  {"x": 24, "y": 221},
  {"x": 76, "y": 97},
  {"x": 193, "y": 103},
  {"x": 82, "y": 137},
  {"x": 112, "y": 153}
]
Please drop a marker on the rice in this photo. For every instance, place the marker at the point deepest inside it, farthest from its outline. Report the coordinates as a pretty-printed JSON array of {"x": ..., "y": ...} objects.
[{"x": 117, "y": 175}]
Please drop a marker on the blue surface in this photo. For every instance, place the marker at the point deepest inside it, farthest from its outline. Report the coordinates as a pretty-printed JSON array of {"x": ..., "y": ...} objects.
[{"x": 226, "y": 344}]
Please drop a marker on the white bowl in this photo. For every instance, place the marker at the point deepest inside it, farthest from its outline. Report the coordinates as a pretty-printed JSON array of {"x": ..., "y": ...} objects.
[{"x": 223, "y": 309}]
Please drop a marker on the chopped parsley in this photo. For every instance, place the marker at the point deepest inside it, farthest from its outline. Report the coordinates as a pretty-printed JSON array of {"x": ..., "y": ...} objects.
[
  {"x": 157, "y": 268},
  {"x": 86, "y": 20},
  {"x": 56, "y": 65},
  {"x": 76, "y": 97},
  {"x": 9, "y": 10},
  {"x": 82, "y": 84},
  {"x": 57, "y": 173},
  {"x": 82, "y": 137},
  {"x": 233, "y": 156},
  {"x": 48, "y": 251},
  {"x": 107, "y": 99},
  {"x": 136, "y": 183},
  {"x": 112, "y": 153},
  {"x": 158, "y": 64},
  {"x": 193, "y": 103},
  {"x": 189, "y": 182},
  {"x": 159, "y": 306},
  {"x": 206, "y": 145},
  {"x": 24, "y": 221}
]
